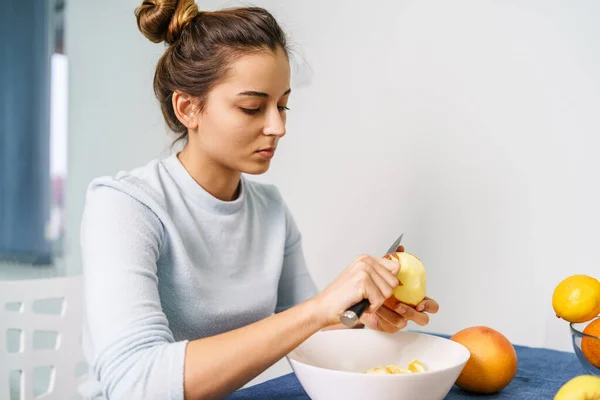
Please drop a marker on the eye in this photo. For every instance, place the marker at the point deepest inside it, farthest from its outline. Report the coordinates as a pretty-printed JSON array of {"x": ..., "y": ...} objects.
[
  {"x": 283, "y": 108},
  {"x": 250, "y": 111}
]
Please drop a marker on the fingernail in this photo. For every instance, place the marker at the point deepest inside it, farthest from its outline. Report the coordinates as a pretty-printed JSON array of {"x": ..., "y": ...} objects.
[
  {"x": 401, "y": 309},
  {"x": 421, "y": 307}
]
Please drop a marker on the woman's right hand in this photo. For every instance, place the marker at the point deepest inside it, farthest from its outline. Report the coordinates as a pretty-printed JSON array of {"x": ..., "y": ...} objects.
[{"x": 366, "y": 278}]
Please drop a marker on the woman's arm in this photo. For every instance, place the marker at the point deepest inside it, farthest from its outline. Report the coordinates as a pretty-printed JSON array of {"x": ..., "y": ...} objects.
[
  {"x": 133, "y": 354},
  {"x": 217, "y": 366}
]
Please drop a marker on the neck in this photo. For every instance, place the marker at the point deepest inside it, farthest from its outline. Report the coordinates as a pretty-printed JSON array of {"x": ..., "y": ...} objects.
[{"x": 219, "y": 181}]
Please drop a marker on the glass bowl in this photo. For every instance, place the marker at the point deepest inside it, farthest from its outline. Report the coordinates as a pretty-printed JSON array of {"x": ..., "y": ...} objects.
[{"x": 581, "y": 340}]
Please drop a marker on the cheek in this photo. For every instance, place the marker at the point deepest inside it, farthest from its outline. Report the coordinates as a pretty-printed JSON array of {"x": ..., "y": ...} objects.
[
  {"x": 238, "y": 135},
  {"x": 214, "y": 123},
  {"x": 230, "y": 131}
]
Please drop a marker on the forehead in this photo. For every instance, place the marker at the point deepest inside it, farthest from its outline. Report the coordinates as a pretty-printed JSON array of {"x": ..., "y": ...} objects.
[{"x": 265, "y": 71}]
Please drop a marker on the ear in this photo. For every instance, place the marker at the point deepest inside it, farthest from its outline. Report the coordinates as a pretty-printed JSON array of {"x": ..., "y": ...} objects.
[{"x": 185, "y": 110}]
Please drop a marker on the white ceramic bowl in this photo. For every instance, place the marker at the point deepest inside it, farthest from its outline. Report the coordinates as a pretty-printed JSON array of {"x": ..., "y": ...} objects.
[{"x": 330, "y": 365}]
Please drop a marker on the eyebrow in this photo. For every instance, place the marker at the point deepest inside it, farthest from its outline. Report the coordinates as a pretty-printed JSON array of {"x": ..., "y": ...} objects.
[{"x": 260, "y": 94}]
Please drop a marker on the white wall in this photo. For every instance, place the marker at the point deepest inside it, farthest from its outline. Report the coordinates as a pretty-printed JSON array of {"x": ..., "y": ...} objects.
[
  {"x": 469, "y": 125},
  {"x": 114, "y": 120}
]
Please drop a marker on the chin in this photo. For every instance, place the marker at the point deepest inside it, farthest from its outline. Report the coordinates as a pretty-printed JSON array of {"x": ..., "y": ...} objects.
[{"x": 256, "y": 168}]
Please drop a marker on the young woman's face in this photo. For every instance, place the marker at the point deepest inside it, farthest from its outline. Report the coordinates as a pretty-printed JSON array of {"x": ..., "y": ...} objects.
[{"x": 244, "y": 116}]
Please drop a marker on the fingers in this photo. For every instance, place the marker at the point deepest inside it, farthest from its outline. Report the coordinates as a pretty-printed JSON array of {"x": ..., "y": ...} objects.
[
  {"x": 387, "y": 327},
  {"x": 413, "y": 315},
  {"x": 388, "y": 271},
  {"x": 377, "y": 281},
  {"x": 373, "y": 294},
  {"x": 392, "y": 318},
  {"x": 382, "y": 283},
  {"x": 393, "y": 267},
  {"x": 391, "y": 303},
  {"x": 407, "y": 311},
  {"x": 428, "y": 305}
]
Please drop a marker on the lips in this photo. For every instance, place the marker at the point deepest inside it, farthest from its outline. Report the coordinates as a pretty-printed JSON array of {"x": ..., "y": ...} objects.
[{"x": 267, "y": 152}]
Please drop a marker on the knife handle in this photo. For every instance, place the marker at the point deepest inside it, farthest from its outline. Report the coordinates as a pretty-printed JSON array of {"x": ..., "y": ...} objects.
[{"x": 351, "y": 316}]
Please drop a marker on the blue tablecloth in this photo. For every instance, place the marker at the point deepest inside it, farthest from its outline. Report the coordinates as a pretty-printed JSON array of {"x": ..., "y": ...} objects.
[{"x": 541, "y": 373}]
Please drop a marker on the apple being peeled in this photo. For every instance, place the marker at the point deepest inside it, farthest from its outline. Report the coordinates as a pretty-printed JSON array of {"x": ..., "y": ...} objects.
[{"x": 412, "y": 277}]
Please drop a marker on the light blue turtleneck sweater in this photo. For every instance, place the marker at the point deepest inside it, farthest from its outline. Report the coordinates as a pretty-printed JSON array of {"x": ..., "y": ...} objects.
[{"x": 165, "y": 262}]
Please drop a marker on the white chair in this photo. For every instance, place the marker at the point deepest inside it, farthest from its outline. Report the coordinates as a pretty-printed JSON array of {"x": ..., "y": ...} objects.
[{"x": 40, "y": 333}]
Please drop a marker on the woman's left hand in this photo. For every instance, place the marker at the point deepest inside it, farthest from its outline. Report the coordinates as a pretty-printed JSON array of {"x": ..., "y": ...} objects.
[{"x": 394, "y": 315}]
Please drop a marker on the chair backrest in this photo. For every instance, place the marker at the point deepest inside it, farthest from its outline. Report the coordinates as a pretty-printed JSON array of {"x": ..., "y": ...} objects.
[{"x": 40, "y": 338}]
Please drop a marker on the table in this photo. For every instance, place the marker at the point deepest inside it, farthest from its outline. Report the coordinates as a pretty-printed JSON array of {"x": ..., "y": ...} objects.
[{"x": 541, "y": 373}]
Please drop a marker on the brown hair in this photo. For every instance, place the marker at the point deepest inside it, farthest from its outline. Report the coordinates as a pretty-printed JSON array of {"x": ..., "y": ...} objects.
[{"x": 201, "y": 46}]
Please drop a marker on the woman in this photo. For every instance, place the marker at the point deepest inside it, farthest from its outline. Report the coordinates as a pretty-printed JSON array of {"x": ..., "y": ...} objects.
[{"x": 195, "y": 276}]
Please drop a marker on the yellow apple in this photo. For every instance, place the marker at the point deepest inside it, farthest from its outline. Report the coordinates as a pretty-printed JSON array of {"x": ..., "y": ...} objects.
[
  {"x": 412, "y": 278},
  {"x": 582, "y": 387}
]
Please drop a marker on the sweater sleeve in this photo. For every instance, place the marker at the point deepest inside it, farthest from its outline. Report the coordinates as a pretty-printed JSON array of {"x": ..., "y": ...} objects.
[
  {"x": 295, "y": 283},
  {"x": 135, "y": 354}
]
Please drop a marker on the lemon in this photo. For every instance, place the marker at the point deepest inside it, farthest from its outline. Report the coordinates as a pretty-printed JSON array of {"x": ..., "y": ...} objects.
[
  {"x": 582, "y": 387},
  {"x": 577, "y": 298}
]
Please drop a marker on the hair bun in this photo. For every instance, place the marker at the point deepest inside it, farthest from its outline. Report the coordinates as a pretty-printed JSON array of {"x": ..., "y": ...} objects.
[{"x": 164, "y": 20}]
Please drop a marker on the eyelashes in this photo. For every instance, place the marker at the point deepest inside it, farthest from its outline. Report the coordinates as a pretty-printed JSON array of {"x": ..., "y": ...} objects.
[{"x": 254, "y": 111}]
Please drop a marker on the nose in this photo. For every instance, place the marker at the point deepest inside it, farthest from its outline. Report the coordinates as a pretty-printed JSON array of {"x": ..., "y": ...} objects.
[{"x": 275, "y": 124}]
